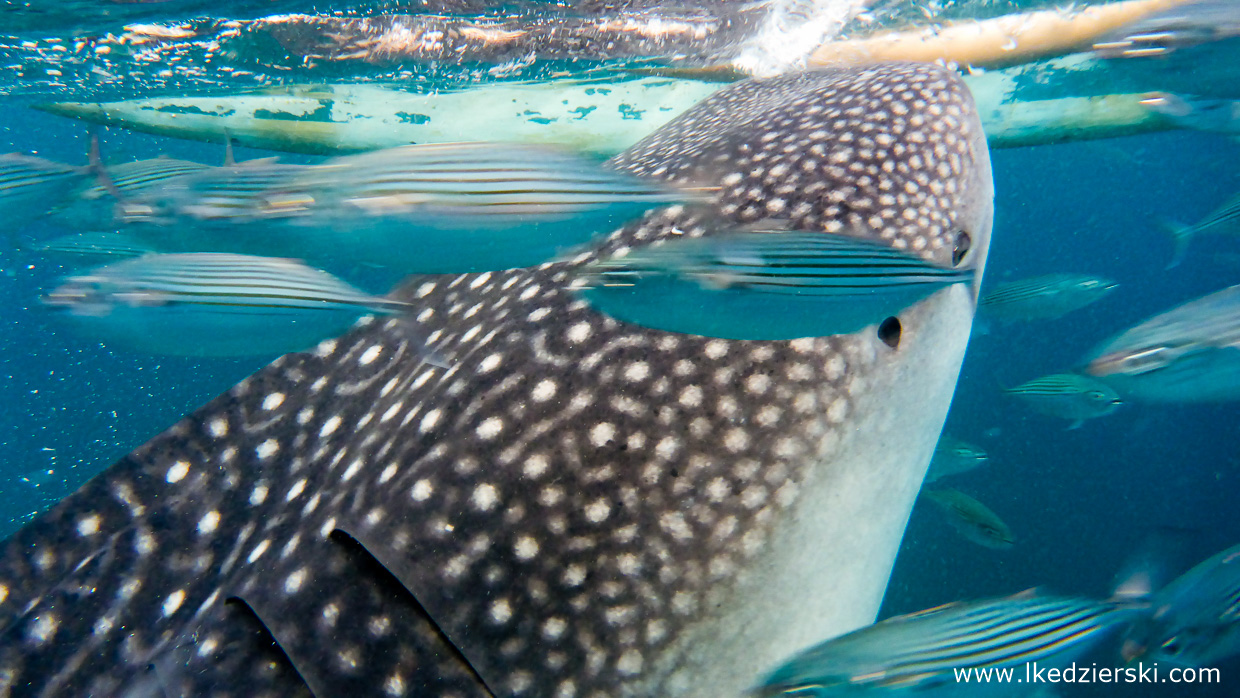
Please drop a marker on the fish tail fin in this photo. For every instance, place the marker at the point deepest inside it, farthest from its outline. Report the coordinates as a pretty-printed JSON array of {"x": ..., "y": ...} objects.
[
  {"x": 1181, "y": 235},
  {"x": 229, "y": 158},
  {"x": 1076, "y": 424},
  {"x": 101, "y": 172},
  {"x": 1154, "y": 563}
]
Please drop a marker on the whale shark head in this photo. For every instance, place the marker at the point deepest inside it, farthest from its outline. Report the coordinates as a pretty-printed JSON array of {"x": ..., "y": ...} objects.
[{"x": 575, "y": 506}]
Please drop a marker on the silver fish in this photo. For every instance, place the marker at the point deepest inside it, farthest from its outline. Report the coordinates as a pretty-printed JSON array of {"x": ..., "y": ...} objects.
[
  {"x": 575, "y": 506},
  {"x": 1068, "y": 395},
  {"x": 1211, "y": 115},
  {"x": 213, "y": 304},
  {"x": 32, "y": 186},
  {"x": 459, "y": 207},
  {"x": 135, "y": 179},
  {"x": 920, "y": 653},
  {"x": 1181, "y": 26},
  {"x": 765, "y": 284},
  {"x": 1194, "y": 620},
  {"x": 973, "y": 520},
  {"x": 1043, "y": 297},
  {"x": 96, "y": 244},
  {"x": 953, "y": 456},
  {"x": 1190, "y": 353},
  {"x": 218, "y": 197},
  {"x": 117, "y": 187}
]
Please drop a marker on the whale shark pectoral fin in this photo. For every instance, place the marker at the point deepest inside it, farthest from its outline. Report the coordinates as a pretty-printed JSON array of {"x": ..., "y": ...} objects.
[
  {"x": 438, "y": 605},
  {"x": 239, "y": 650},
  {"x": 376, "y": 620}
]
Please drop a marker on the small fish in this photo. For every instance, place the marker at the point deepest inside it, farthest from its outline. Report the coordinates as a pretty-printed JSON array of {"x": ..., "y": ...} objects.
[
  {"x": 1183, "y": 25},
  {"x": 32, "y": 186},
  {"x": 208, "y": 304},
  {"x": 220, "y": 196},
  {"x": 135, "y": 179},
  {"x": 1211, "y": 115},
  {"x": 1190, "y": 353},
  {"x": 1068, "y": 395},
  {"x": 920, "y": 653},
  {"x": 93, "y": 244},
  {"x": 1043, "y": 297},
  {"x": 1194, "y": 620},
  {"x": 1224, "y": 219},
  {"x": 763, "y": 284},
  {"x": 952, "y": 457},
  {"x": 973, "y": 520},
  {"x": 461, "y": 207}
]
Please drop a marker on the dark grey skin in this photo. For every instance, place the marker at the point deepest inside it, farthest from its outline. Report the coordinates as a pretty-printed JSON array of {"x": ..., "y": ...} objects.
[{"x": 576, "y": 506}]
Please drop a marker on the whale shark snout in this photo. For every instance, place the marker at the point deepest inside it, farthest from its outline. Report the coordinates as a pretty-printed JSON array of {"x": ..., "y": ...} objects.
[{"x": 577, "y": 506}]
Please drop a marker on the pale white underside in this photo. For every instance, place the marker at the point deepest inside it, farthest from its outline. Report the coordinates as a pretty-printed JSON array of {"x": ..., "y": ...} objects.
[{"x": 824, "y": 571}]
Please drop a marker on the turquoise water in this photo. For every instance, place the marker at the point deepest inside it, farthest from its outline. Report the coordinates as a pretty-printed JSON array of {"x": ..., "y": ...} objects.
[{"x": 1079, "y": 501}]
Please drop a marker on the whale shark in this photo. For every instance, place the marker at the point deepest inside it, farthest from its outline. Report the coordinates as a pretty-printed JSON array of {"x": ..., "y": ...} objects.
[{"x": 572, "y": 506}]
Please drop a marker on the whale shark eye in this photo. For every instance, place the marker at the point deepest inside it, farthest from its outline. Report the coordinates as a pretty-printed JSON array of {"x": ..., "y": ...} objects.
[
  {"x": 889, "y": 332},
  {"x": 961, "y": 248}
]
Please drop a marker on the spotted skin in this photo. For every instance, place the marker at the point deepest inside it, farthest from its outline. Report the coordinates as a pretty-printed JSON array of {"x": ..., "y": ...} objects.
[{"x": 577, "y": 507}]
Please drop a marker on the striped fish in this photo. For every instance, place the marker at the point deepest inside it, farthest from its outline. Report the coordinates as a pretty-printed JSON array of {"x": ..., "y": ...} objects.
[
  {"x": 1185, "y": 111},
  {"x": 137, "y": 178},
  {"x": 32, "y": 186},
  {"x": 229, "y": 195},
  {"x": 463, "y": 206},
  {"x": 1177, "y": 26},
  {"x": 1190, "y": 353},
  {"x": 764, "y": 284},
  {"x": 93, "y": 244},
  {"x": 1194, "y": 620},
  {"x": 1068, "y": 395},
  {"x": 972, "y": 520},
  {"x": 920, "y": 652},
  {"x": 208, "y": 304},
  {"x": 419, "y": 209},
  {"x": 1044, "y": 297},
  {"x": 1224, "y": 219},
  {"x": 953, "y": 456}
]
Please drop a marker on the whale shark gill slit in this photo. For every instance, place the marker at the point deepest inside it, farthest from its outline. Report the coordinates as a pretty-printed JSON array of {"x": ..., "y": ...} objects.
[{"x": 575, "y": 506}]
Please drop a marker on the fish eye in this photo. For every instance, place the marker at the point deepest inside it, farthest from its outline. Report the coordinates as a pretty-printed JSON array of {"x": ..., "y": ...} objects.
[
  {"x": 889, "y": 332},
  {"x": 1172, "y": 645},
  {"x": 961, "y": 249}
]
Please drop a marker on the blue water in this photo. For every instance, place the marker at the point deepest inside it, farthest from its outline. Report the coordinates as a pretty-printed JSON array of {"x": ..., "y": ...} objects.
[
  {"x": 1079, "y": 501},
  {"x": 67, "y": 404}
]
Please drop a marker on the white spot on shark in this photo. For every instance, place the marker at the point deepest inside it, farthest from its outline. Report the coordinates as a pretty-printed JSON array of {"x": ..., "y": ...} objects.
[
  {"x": 173, "y": 602},
  {"x": 177, "y": 472}
]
